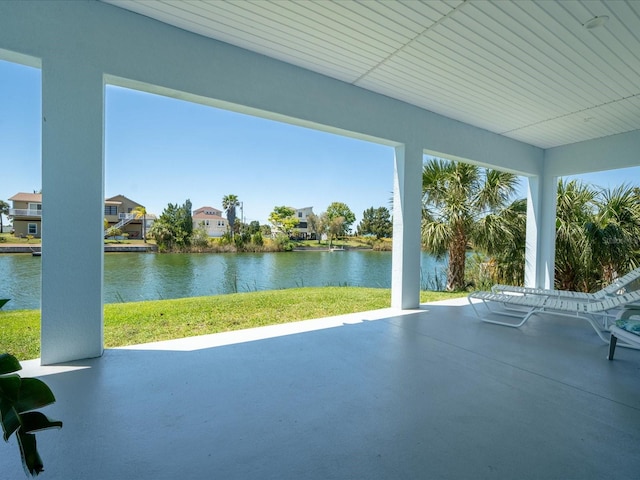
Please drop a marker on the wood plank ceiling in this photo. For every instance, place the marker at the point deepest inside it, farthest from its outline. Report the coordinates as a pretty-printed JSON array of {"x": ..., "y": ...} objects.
[{"x": 529, "y": 70}]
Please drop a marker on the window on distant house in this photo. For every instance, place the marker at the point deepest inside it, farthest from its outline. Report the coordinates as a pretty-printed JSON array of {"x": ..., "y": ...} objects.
[
  {"x": 206, "y": 223},
  {"x": 110, "y": 210},
  {"x": 299, "y": 214},
  {"x": 221, "y": 223},
  {"x": 32, "y": 229},
  {"x": 35, "y": 208}
]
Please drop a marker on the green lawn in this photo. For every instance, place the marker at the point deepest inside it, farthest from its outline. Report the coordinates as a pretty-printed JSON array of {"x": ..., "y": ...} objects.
[{"x": 150, "y": 321}]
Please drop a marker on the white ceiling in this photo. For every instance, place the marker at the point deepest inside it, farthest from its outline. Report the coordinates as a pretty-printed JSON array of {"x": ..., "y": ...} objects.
[{"x": 528, "y": 70}]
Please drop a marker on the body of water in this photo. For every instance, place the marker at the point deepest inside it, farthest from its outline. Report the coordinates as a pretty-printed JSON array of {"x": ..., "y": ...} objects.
[{"x": 132, "y": 277}]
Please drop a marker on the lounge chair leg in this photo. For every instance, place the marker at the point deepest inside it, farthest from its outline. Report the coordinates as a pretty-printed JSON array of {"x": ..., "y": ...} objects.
[{"x": 612, "y": 346}]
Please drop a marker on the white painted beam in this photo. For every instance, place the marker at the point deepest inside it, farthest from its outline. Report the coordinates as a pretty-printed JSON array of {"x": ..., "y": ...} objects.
[{"x": 608, "y": 153}]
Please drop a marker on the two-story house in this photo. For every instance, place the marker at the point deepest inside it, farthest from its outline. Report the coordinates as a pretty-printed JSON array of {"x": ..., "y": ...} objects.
[
  {"x": 302, "y": 231},
  {"x": 211, "y": 219},
  {"x": 119, "y": 211},
  {"x": 26, "y": 212}
]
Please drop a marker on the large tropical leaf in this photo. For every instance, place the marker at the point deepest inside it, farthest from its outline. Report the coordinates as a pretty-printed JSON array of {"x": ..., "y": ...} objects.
[
  {"x": 9, "y": 364},
  {"x": 19, "y": 397}
]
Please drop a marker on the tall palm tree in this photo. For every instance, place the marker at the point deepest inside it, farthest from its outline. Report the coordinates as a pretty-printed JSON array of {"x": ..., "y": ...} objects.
[
  {"x": 229, "y": 204},
  {"x": 575, "y": 268},
  {"x": 141, "y": 212},
  {"x": 456, "y": 196},
  {"x": 502, "y": 236}
]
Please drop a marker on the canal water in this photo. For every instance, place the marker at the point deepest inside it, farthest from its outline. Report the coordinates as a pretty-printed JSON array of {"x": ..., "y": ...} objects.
[{"x": 131, "y": 277}]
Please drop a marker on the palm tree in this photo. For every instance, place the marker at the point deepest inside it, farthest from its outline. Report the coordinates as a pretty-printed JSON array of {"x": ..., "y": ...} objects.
[
  {"x": 229, "y": 204},
  {"x": 456, "y": 196},
  {"x": 139, "y": 212},
  {"x": 615, "y": 231},
  {"x": 4, "y": 210},
  {"x": 502, "y": 236},
  {"x": 575, "y": 267}
]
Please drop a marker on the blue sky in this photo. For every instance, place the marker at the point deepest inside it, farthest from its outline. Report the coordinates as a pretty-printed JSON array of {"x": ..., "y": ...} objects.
[{"x": 159, "y": 150}]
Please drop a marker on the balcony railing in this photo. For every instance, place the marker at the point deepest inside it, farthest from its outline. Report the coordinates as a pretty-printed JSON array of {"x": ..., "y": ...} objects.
[{"x": 24, "y": 212}]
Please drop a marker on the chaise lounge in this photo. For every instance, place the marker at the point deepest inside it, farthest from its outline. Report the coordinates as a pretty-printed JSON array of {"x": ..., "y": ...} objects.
[
  {"x": 599, "y": 313},
  {"x": 620, "y": 285}
]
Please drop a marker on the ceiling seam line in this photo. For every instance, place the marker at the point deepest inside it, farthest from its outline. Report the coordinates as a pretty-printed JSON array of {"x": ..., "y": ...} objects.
[
  {"x": 572, "y": 113},
  {"x": 410, "y": 42}
]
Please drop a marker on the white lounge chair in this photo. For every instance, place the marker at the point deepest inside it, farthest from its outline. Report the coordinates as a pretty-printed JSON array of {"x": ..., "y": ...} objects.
[
  {"x": 627, "y": 331},
  {"x": 599, "y": 313},
  {"x": 620, "y": 285}
]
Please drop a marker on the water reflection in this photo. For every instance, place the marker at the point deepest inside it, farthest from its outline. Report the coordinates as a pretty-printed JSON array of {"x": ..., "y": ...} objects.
[{"x": 130, "y": 277}]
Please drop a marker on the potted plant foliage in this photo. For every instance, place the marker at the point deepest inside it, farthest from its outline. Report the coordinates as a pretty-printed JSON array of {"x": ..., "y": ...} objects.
[{"x": 19, "y": 399}]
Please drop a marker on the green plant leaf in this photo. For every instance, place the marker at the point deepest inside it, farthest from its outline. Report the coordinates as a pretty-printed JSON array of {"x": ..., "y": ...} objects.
[
  {"x": 10, "y": 387},
  {"x": 31, "y": 460},
  {"x": 36, "y": 421},
  {"x": 33, "y": 394},
  {"x": 9, "y": 364},
  {"x": 10, "y": 419}
]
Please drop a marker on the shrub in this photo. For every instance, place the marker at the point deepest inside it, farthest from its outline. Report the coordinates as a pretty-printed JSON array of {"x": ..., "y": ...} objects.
[
  {"x": 111, "y": 232},
  {"x": 200, "y": 238},
  {"x": 283, "y": 243},
  {"x": 256, "y": 239}
]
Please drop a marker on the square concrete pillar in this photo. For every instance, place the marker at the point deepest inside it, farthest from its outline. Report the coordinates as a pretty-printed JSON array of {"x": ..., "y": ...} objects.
[
  {"x": 72, "y": 210},
  {"x": 407, "y": 211},
  {"x": 541, "y": 232}
]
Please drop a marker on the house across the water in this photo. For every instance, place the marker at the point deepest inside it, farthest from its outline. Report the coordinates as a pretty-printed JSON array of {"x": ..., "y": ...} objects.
[{"x": 26, "y": 212}]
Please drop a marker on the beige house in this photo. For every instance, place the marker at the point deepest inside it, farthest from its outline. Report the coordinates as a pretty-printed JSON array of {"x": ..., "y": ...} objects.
[
  {"x": 211, "y": 219},
  {"x": 26, "y": 212},
  {"x": 119, "y": 212}
]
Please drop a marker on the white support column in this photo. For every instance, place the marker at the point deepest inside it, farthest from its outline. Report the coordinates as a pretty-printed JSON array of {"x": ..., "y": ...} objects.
[
  {"x": 541, "y": 232},
  {"x": 73, "y": 211},
  {"x": 407, "y": 195}
]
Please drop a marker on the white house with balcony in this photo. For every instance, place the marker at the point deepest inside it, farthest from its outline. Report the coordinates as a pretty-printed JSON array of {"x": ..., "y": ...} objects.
[{"x": 302, "y": 229}]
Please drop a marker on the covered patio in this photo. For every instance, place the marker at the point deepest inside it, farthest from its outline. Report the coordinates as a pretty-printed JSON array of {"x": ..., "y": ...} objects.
[
  {"x": 427, "y": 393},
  {"x": 542, "y": 89}
]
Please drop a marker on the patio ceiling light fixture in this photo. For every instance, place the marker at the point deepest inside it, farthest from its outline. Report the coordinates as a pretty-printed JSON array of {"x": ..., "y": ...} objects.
[{"x": 596, "y": 22}]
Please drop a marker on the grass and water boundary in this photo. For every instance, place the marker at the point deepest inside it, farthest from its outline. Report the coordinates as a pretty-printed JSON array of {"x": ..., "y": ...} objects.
[{"x": 151, "y": 321}]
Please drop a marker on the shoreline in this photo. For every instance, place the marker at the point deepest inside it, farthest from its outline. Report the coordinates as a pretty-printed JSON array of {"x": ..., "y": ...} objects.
[
  {"x": 37, "y": 248},
  {"x": 23, "y": 248}
]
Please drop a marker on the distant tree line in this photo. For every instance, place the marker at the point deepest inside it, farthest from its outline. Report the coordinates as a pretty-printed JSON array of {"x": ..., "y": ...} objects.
[{"x": 174, "y": 229}]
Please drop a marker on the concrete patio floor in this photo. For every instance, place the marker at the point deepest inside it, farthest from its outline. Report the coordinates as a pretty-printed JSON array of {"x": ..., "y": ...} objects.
[{"x": 426, "y": 394}]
